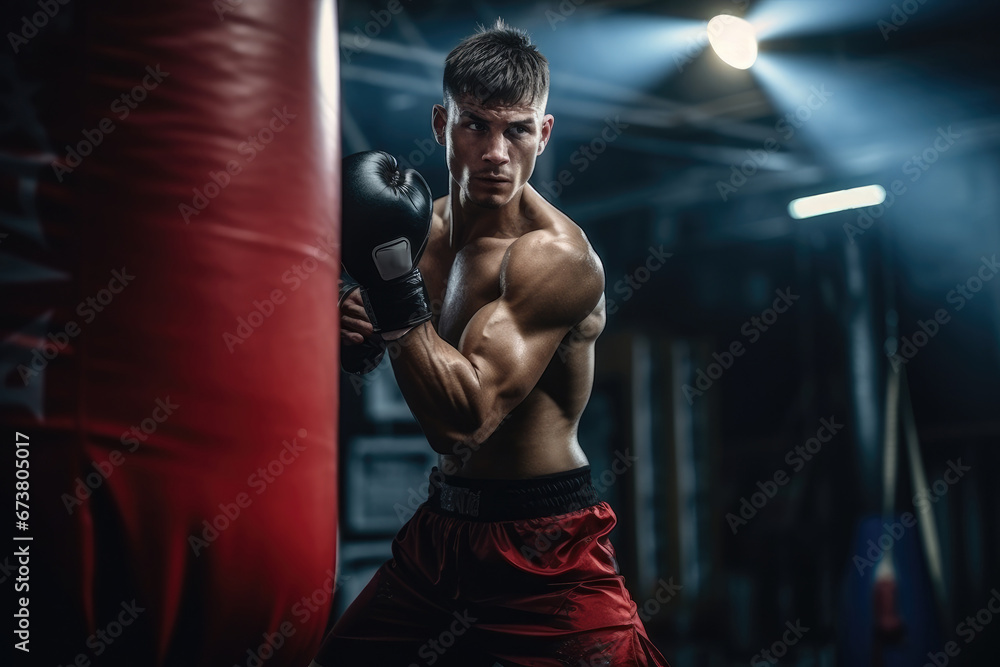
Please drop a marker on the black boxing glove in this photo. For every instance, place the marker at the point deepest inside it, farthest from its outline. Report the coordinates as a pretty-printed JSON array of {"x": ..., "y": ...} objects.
[
  {"x": 363, "y": 358},
  {"x": 386, "y": 221}
]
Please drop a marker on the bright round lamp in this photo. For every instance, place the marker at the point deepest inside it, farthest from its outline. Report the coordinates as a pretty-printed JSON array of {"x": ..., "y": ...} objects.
[{"x": 734, "y": 40}]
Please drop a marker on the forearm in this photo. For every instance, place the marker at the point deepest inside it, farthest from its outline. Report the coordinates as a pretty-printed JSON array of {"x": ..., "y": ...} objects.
[{"x": 444, "y": 390}]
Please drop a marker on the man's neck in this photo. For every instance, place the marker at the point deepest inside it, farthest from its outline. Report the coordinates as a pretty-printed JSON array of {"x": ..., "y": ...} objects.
[{"x": 470, "y": 221}]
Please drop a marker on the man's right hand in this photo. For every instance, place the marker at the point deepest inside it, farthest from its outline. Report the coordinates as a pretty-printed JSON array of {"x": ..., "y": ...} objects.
[
  {"x": 355, "y": 326},
  {"x": 361, "y": 349}
]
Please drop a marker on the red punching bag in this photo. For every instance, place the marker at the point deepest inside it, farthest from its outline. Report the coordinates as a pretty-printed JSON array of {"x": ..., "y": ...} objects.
[{"x": 168, "y": 265}]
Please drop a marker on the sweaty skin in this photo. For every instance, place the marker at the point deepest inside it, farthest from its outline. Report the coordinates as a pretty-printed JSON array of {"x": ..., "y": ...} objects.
[{"x": 499, "y": 377}]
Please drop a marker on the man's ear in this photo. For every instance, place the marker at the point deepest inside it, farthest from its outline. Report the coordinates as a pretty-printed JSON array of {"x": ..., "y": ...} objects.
[
  {"x": 439, "y": 121},
  {"x": 547, "y": 122}
]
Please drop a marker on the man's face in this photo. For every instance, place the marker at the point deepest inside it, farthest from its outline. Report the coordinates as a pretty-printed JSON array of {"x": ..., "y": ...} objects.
[{"x": 491, "y": 149}]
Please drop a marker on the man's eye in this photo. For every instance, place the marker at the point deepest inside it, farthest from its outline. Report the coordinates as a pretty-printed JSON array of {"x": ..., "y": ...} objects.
[
  {"x": 476, "y": 126},
  {"x": 520, "y": 129}
]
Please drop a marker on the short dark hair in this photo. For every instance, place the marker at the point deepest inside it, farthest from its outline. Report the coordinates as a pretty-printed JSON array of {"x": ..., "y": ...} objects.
[{"x": 498, "y": 65}]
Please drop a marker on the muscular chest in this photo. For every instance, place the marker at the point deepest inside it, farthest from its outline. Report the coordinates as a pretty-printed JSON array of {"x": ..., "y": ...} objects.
[{"x": 467, "y": 283}]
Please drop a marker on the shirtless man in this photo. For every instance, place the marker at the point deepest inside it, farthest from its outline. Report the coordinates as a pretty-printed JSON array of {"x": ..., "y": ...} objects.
[{"x": 508, "y": 562}]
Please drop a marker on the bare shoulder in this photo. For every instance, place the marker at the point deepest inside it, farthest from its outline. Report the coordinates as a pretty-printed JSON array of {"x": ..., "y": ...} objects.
[
  {"x": 434, "y": 258},
  {"x": 554, "y": 267},
  {"x": 439, "y": 228}
]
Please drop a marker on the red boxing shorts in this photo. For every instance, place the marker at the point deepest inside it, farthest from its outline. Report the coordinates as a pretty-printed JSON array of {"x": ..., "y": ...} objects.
[{"x": 498, "y": 573}]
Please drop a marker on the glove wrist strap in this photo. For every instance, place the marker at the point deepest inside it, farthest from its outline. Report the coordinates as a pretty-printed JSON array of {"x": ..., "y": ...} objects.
[{"x": 398, "y": 304}]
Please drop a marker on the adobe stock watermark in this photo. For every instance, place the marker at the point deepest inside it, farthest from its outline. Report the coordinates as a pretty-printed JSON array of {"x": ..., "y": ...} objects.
[
  {"x": 779, "y": 649},
  {"x": 632, "y": 282},
  {"x": 626, "y": 286},
  {"x": 271, "y": 644},
  {"x": 425, "y": 147},
  {"x": 120, "y": 107},
  {"x": 303, "y": 610},
  {"x": 542, "y": 540},
  {"x": 665, "y": 592},
  {"x": 262, "y": 309},
  {"x": 313, "y": 603},
  {"x": 393, "y": 348},
  {"x": 249, "y": 149},
  {"x": 752, "y": 329},
  {"x": 432, "y": 650},
  {"x": 102, "y": 470},
  {"x": 584, "y": 156},
  {"x": 563, "y": 11},
  {"x": 598, "y": 655},
  {"x": 88, "y": 309},
  {"x": 104, "y": 637},
  {"x": 900, "y": 14},
  {"x": 462, "y": 449},
  {"x": 372, "y": 369},
  {"x": 361, "y": 37},
  {"x": 915, "y": 168},
  {"x": 621, "y": 464},
  {"x": 964, "y": 292},
  {"x": 797, "y": 457},
  {"x": 259, "y": 481},
  {"x": 968, "y": 629},
  {"x": 31, "y": 25},
  {"x": 893, "y": 531},
  {"x": 22, "y": 624},
  {"x": 787, "y": 126}
]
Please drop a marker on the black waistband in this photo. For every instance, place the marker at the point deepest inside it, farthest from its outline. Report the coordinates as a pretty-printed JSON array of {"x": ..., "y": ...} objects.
[{"x": 511, "y": 499}]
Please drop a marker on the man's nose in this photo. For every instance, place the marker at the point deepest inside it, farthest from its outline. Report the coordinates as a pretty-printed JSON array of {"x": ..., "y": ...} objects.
[{"x": 496, "y": 150}]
